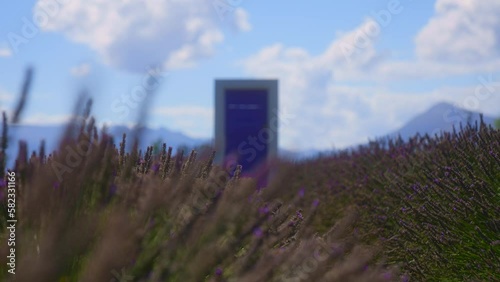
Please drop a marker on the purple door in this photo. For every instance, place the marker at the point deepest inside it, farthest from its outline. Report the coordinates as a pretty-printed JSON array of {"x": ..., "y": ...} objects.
[{"x": 245, "y": 119}]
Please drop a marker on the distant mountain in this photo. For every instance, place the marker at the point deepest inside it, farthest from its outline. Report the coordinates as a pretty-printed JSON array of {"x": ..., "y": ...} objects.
[
  {"x": 441, "y": 117},
  {"x": 34, "y": 134},
  {"x": 149, "y": 136}
]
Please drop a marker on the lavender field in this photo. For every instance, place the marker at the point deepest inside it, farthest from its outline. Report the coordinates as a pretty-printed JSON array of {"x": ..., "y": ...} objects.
[
  {"x": 250, "y": 141},
  {"x": 424, "y": 209}
]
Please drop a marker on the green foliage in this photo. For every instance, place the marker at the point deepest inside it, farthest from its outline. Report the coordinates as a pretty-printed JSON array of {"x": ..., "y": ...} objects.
[
  {"x": 426, "y": 208},
  {"x": 430, "y": 205},
  {"x": 433, "y": 204},
  {"x": 119, "y": 215}
]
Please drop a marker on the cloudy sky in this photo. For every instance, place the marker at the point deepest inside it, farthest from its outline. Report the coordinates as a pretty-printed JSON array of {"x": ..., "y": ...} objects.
[{"x": 348, "y": 70}]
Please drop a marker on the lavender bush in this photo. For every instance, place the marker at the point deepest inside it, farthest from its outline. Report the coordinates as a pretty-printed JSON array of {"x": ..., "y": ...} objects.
[{"x": 424, "y": 209}]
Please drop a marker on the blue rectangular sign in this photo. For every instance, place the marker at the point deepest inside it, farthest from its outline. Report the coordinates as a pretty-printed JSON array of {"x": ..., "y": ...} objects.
[{"x": 246, "y": 113}]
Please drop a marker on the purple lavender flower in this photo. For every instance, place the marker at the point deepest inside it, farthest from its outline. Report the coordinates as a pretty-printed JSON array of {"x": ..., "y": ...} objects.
[
  {"x": 264, "y": 209},
  {"x": 387, "y": 276},
  {"x": 56, "y": 185},
  {"x": 301, "y": 192},
  {"x": 257, "y": 232},
  {"x": 299, "y": 215},
  {"x": 382, "y": 217},
  {"x": 414, "y": 187},
  {"x": 315, "y": 203},
  {"x": 156, "y": 167},
  {"x": 218, "y": 271}
]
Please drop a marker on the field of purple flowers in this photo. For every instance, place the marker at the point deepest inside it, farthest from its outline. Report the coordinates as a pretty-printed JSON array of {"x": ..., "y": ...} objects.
[
  {"x": 424, "y": 209},
  {"x": 432, "y": 203}
]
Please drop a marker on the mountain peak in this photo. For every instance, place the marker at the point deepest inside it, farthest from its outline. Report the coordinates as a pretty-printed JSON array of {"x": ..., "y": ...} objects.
[
  {"x": 440, "y": 117},
  {"x": 442, "y": 105}
]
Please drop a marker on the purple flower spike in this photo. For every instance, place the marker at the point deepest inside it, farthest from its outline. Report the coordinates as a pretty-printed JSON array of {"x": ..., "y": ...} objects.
[
  {"x": 156, "y": 167},
  {"x": 218, "y": 271},
  {"x": 264, "y": 209},
  {"x": 56, "y": 185},
  {"x": 301, "y": 192},
  {"x": 387, "y": 276},
  {"x": 258, "y": 232},
  {"x": 315, "y": 203},
  {"x": 299, "y": 215}
]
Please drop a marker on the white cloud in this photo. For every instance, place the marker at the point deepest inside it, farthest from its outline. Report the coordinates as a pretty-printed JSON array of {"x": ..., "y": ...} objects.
[
  {"x": 241, "y": 19},
  {"x": 462, "y": 31},
  {"x": 305, "y": 87},
  {"x": 183, "y": 111},
  {"x": 194, "y": 121},
  {"x": 43, "y": 119},
  {"x": 109, "y": 123},
  {"x": 5, "y": 52},
  {"x": 135, "y": 34},
  {"x": 328, "y": 92},
  {"x": 80, "y": 70}
]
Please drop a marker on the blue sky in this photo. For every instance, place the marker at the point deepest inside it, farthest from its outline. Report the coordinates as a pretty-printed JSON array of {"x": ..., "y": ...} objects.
[{"x": 348, "y": 70}]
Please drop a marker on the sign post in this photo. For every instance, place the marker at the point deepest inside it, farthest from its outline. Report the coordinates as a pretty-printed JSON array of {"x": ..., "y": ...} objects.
[{"x": 246, "y": 126}]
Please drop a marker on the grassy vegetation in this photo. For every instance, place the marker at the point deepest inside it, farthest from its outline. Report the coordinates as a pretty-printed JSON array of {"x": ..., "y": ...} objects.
[
  {"x": 425, "y": 209},
  {"x": 167, "y": 217},
  {"x": 433, "y": 204}
]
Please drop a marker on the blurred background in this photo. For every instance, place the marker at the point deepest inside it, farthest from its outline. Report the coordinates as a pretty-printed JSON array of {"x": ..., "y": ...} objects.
[{"x": 348, "y": 72}]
